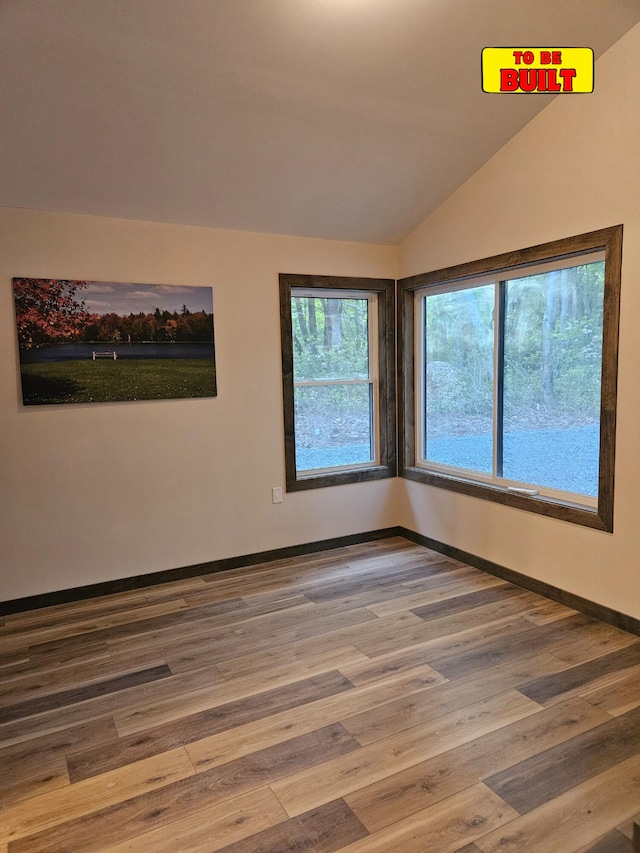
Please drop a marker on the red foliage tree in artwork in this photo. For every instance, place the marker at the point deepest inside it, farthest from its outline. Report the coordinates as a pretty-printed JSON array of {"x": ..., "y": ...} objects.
[{"x": 48, "y": 310}]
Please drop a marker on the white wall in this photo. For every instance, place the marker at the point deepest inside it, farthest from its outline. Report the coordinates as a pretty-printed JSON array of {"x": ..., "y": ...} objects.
[
  {"x": 91, "y": 493},
  {"x": 575, "y": 168}
]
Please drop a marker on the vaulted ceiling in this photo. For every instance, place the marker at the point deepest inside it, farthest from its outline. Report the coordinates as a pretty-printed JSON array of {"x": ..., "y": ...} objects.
[{"x": 346, "y": 119}]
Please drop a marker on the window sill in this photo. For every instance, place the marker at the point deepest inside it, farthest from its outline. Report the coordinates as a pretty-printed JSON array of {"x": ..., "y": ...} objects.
[
  {"x": 358, "y": 475},
  {"x": 600, "y": 518}
]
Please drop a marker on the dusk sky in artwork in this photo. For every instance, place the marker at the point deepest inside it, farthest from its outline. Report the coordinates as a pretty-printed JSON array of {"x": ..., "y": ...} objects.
[{"x": 104, "y": 297}]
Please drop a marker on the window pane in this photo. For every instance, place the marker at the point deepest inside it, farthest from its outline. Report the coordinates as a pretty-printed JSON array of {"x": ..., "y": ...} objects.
[
  {"x": 330, "y": 338},
  {"x": 552, "y": 370},
  {"x": 459, "y": 378},
  {"x": 333, "y": 425}
]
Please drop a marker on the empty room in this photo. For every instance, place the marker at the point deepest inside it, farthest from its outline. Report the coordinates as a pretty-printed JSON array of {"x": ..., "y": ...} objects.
[{"x": 319, "y": 529}]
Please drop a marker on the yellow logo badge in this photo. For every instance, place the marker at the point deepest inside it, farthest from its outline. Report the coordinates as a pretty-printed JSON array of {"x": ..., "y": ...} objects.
[{"x": 547, "y": 70}]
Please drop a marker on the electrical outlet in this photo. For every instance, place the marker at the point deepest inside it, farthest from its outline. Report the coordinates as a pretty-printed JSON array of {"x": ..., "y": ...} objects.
[{"x": 276, "y": 494}]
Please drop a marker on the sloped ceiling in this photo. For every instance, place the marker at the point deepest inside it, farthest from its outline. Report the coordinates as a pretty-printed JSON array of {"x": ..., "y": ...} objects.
[{"x": 343, "y": 119}]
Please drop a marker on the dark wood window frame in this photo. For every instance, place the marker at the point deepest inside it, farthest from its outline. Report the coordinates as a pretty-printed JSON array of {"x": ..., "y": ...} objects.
[
  {"x": 608, "y": 240},
  {"x": 387, "y": 467}
]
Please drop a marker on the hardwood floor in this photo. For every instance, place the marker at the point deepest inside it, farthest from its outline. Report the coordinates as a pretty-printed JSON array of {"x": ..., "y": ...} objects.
[{"x": 370, "y": 699}]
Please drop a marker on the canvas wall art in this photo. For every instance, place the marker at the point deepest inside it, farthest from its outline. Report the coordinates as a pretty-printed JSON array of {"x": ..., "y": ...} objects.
[{"x": 105, "y": 341}]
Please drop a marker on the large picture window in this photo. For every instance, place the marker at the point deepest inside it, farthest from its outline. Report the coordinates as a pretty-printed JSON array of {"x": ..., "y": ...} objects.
[
  {"x": 338, "y": 374},
  {"x": 508, "y": 377}
]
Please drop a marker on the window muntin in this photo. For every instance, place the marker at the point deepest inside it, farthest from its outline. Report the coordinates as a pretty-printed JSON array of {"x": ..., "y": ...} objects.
[
  {"x": 539, "y": 344},
  {"x": 338, "y": 364}
]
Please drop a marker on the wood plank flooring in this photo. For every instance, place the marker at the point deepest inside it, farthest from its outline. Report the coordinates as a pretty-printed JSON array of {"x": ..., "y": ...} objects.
[{"x": 370, "y": 699}]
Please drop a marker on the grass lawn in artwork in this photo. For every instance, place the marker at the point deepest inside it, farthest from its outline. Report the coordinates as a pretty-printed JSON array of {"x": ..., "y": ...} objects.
[
  {"x": 107, "y": 380},
  {"x": 99, "y": 342}
]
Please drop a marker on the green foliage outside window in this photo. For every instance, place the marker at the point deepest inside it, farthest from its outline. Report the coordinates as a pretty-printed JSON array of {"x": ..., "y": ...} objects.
[
  {"x": 553, "y": 350},
  {"x": 330, "y": 338}
]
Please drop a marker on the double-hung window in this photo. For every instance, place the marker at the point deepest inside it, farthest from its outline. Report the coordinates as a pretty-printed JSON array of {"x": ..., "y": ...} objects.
[
  {"x": 338, "y": 376},
  {"x": 509, "y": 377}
]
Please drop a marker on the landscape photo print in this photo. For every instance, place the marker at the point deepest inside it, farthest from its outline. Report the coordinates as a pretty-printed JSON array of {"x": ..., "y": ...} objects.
[{"x": 103, "y": 341}]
